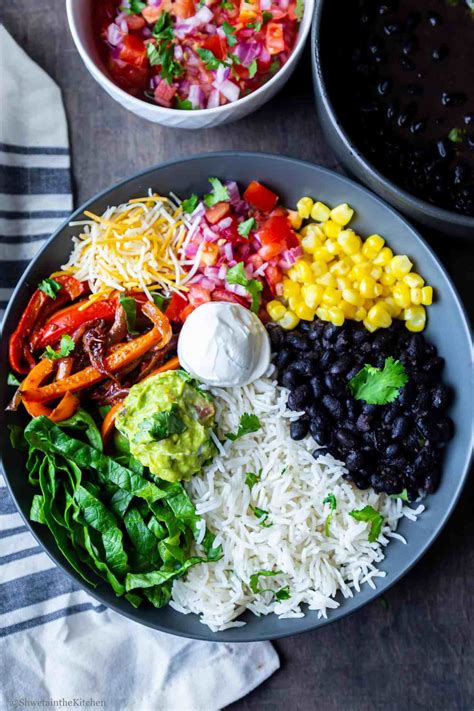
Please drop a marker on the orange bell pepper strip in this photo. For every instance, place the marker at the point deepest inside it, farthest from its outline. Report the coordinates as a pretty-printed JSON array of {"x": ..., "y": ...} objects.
[
  {"x": 67, "y": 406},
  {"x": 122, "y": 355},
  {"x": 171, "y": 364}
]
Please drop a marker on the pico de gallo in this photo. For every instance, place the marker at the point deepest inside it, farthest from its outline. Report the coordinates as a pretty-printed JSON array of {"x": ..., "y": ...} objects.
[{"x": 195, "y": 54}]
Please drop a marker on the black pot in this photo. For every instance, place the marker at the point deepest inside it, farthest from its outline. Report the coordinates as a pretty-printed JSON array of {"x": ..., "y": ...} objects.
[{"x": 355, "y": 162}]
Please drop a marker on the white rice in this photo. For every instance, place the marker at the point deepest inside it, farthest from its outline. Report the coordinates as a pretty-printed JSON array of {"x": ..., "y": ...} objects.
[{"x": 291, "y": 489}]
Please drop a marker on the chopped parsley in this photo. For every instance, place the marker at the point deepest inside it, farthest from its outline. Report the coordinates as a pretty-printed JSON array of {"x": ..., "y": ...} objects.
[
  {"x": 190, "y": 204},
  {"x": 299, "y": 10},
  {"x": 257, "y": 25},
  {"x": 134, "y": 7},
  {"x": 13, "y": 380},
  {"x": 219, "y": 192},
  {"x": 237, "y": 275},
  {"x": 183, "y": 104},
  {"x": 129, "y": 305},
  {"x": 376, "y": 386},
  {"x": 209, "y": 59},
  {"x": 331, "y": 500},
  {"x": 262, "y": 515},
  {"x": 283, "y": 594},
  {"x": 49, "y": 287},
  {"x": 252, "y": 67},
  {"x": 266, "y": 16},
  {"x": 163, "y": 424},
  {"x": 163, "y": 28},
  {"x": 230, "y": 34},
  {"x": 66, "y": 347},
  {"x": 369, "y": 515},
  {"x": 248, "y": 423},
  {"x": 245, "y": 228},
  {"x": 251, "y": 478},
  {"x": 403, "y": 495},
  {"x": 253, "y": 582}
]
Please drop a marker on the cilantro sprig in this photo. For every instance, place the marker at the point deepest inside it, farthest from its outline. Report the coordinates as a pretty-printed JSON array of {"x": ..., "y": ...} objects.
[
  {"x": 237, "y": 275},
  {"x": 134, "y": 7},
  {"x": 209, "y": 58},
  {"x": 248, "y": 423},
  {"x": 230, "y": 34},
  {"x": 253, "y": 582},
  {"x": 13, "y": 380},
  {"x": 66, "y": 347},
  {"x": 163, "y": 424},
  {"x": 50, "y": 287},
  {"x": 252, "y": 67},
  {"x": 219, "y": 193},
  {"x": 162, "y": 53},
  {"x": 379, "y": 387},
  {"x": 190, "y": 204},
  {"x": 251, "y": 478},
  {"x": 246, "y": 227},
  {"x": 369, "y": 515},
  {"x": 332, "y": 501},
  {"x": 262, "y": 515}
]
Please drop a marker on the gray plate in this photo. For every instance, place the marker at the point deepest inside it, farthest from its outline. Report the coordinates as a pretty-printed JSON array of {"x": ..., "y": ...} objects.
[{"x": 447, "y": 329}]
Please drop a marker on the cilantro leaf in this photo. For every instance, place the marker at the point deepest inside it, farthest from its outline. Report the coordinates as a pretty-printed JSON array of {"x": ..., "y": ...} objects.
[
  {"x": 227, "y": 5},
  {"x": 129, "y": 305},
  {"x": 403, "y": 495},
  {"x": 253, "y": 582},
  {"x": 262, "y": 515},
  {"x": 251, "y": 478},
  {"x": 163, "y": 28},
  {"x": 230, "y": 34},
  {"x": 134, "y": 7},
  {"x": 456, "y": 135},
  {"x": 183, "y": 104},
  {"x": 331, "y": 500},
  {"x": 257, "y": 25},
  {"x": 209, "y": 59},
  {"x": 252, "y": 67},
  {"x": 299, "y": 10},
  {"x": 237, "y": 275},
  {"x": 245, "y": 227},
  {"x": 369, "y": 515},
  {"x": 13, "y": 380},
  {"x": 49, "y": 287},
  {"x": 248, "y": 423},
  {"x": 267, "y": 16},
  {"x": 219, "y": 193},
  {"x": 274, "y": 66},
  {"x": 379, "y": 387},
  {"x": 66, "y": 347},
  {"x": 283, "y": 594},
  {"x": 163, "y": 424},
  {"x": 163, "y": 52},
  {"x": 190, "y": 204}
]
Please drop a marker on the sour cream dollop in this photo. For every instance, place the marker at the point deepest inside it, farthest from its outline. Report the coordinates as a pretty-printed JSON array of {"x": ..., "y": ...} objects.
[{"x": 224, "y": 344}]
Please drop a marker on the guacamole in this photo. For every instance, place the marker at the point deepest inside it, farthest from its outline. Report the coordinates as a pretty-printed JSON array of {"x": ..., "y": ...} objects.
[{"x": 168, "y": 421}]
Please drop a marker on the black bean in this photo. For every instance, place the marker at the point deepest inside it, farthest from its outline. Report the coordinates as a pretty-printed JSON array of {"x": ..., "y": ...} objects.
[
  {"x": 330, "y": 331},
  {"x": 277, "y": 336},
  {"x": 440, "y": 53},
  {"x": 322, "y": 436},
  {"x": 445, "y": 429},
  {"x": 440, "y": 396},
  {"x": 304, "y": 366},
  {"x": 317, "y": 386},
  {"x": 432, "y": 480},
  {"x": 341, "y": 365},
  {"x": 400, "y": 427},
  {"x": 334, "y": 406},
  {"x": 434, "y": 19},
  {"x": 414, "y": 346},
  {"x": 334, "y": 384},
  {"x": 363, "y": 423},
  {"x": 297, "y": 341},
  {"x": 392, "y": 451},
  {"x": 346, "y": 438},
  {"x": 320, "y": 452},
  {"x": 369, "y": 409},
  {"x": 283, "y": 358},
  {"x": 355, "y": 460},
  {"x": 325, "y": 360},
  {"x": 299, "y": 428},
  {"x": 352, "y": 410},
  {"x": 290, "y": 379},
  {"x": 299, "y": 397}
]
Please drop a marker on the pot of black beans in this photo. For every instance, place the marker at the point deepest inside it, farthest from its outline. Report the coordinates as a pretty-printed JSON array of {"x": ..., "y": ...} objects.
[{"x": 392, "y": 447}]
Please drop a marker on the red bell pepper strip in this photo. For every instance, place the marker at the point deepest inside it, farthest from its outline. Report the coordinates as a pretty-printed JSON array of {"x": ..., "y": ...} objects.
[
  {"x": 37, "y": 310},
  {"x": 176, "y": 306},
  {"x": 260, "y": 197},
  {"x": 67, "y": 320}
]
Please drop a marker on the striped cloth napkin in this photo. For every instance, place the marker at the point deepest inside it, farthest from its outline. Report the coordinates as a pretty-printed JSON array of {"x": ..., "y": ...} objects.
[{"x": 57, "y": 644}]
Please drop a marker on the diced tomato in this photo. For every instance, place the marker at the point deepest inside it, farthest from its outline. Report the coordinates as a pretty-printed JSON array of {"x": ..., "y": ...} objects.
[
  {"x": 217, "y": 212},
  {"x": 255, "y": 260},
  {"x": 185, "y": 312},
  {"x": 198, "y": 295},
  {"x": 223, "y": 295},
  {"x": 133, "y": 51},
  {"x": 260, "y": 197},
  {"x": 164, "y": 94},
  {"x": 231, "y": 233},
  {"x": 274, "y": 276},
  {"x": 277, "y": 229},
  {"x": 209, "y": 253},
  {"x": 274, "y": 40},
  {"x": 215, "y": 45},
  {"x": 152, "y": 13},
  {"x": 184, "y": 8},
  {"x": 273, "y": 249},
  {"x": 132, "y": 79},
  {"x": 135, "y": 22},
  {"x": 176, "y": 306}
]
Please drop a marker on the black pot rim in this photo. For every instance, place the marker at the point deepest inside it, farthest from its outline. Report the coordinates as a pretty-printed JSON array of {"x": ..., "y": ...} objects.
[{"x": 391, "y": 188}]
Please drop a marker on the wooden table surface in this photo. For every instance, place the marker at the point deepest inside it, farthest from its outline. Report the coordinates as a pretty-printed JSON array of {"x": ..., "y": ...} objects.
[{"x": 414, "y": 652}]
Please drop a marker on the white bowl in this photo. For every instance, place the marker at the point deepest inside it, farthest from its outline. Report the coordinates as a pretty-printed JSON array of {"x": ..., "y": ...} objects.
[{"x": 79, "y": 18}]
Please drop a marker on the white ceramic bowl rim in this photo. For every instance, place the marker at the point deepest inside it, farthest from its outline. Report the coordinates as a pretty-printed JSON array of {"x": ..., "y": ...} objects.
[{"x": 305, "y": 25}]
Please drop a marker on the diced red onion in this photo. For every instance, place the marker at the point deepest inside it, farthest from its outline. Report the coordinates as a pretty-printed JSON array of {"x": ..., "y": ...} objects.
[
  {"x": 222, "y": 74},
  {"x": 224, "y": 224},
  {"x": 228, "y": 251},
  {"x": 211, "y": 272},
  {"x": 265, "y": 55},
  {"x": 191, "y": 250},
  {"x": 221, "y": 33},
  {"x": 237, "y": 289},
  {"x": 228, "y": 89},
  {"x": 265, "y": 4},
  {"x": 208, "y": 284},
  {"x": 222, "y": 272},
  {"x": 209, "y": 235},
  {"x": 213, "y": 99},
  {"x": 196, "y": 96},
  {"x": 147, "y": 33},
  {"x": 122, "y": 15},
  {"x": 233, "y": 192},
  {"x": 178, "y": 52},
  {"x": 154, "y": 3},
  {"x": 202, "y": 17},
  {"x": 114, "y": 36},
  {"x": 260, "y": 271},
  {"x": 210, "y": 29},
  {"x": 124, "y": 27}
]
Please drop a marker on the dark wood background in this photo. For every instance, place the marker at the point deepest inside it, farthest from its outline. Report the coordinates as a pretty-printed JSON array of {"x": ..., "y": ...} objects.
[{"x": 414, "y": 652}]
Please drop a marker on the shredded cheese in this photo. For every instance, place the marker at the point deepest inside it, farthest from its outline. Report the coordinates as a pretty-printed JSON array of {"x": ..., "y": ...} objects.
[{"x": 136, "y": 245}]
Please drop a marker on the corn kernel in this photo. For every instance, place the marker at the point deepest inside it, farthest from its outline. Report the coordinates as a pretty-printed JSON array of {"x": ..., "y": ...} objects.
[
  {"x": 372, "y": 246},
  {"x": 368, "y": 303},
  {"x": 327, "y": 280},
  {"x": 290, "y": 288},
  {"x": 392, "y": 307},
  {"x": 310, "y": 242},
  {"x": 343, "y": 283},
  {"x": 304, "y": 271},
  {"x": 322, "y": 253},
  {"x": 369, "y": 326},
  {"x": 386, "y": 290},
  {"x": 322, "y": 313},
  {"x": 387, "y": 278},
  {"x": 360, "y": 314},
  {"x": 331, "y": 229},
  {"x": 289, "y": 321},
  {"x": 367, "y": 287},
  {"x": 320, "y": 212},
  {"x": 312, "y": 295},
  {"x": 319, "y": 267},
  {"x": 379, "y": 316},
  {"x": 304, "y": 312},
  {"x": 294, "y": 219},
  {"x": 348, "y": 310},
  {"x": 293, "y": 302},
  {"x": 358, "y": 272},
  {"x": 383, "y": 258},
  {"x": 312, "y": 229},
  {"x": 332, "y": 247},
  {"x": 349, "y": 241},
  {"x": 415, "y": 296},
  {"x": 336, "y": 316},
  {"x": 400, "y": 265},
  {"x": 401, "y": 294},
  {"x": 304, "y": 207},
  {"x": 413, "y": 280},
  {"x": 340, "y": 268},
  {"x": 376, "y": 273},
  {"x": 352, "y": 297},
  {"x": 415, "y": 318},
  {"x": 331, "y": 297},
  {"x": 427, "y": 295},
  {"x": 358, "y": 258},
  {"x": 276, "y": 310},
  {"x": 292, "y": 274},
  {"x": 342, "y": 214},
  {"x": 378, "y": 289}
]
